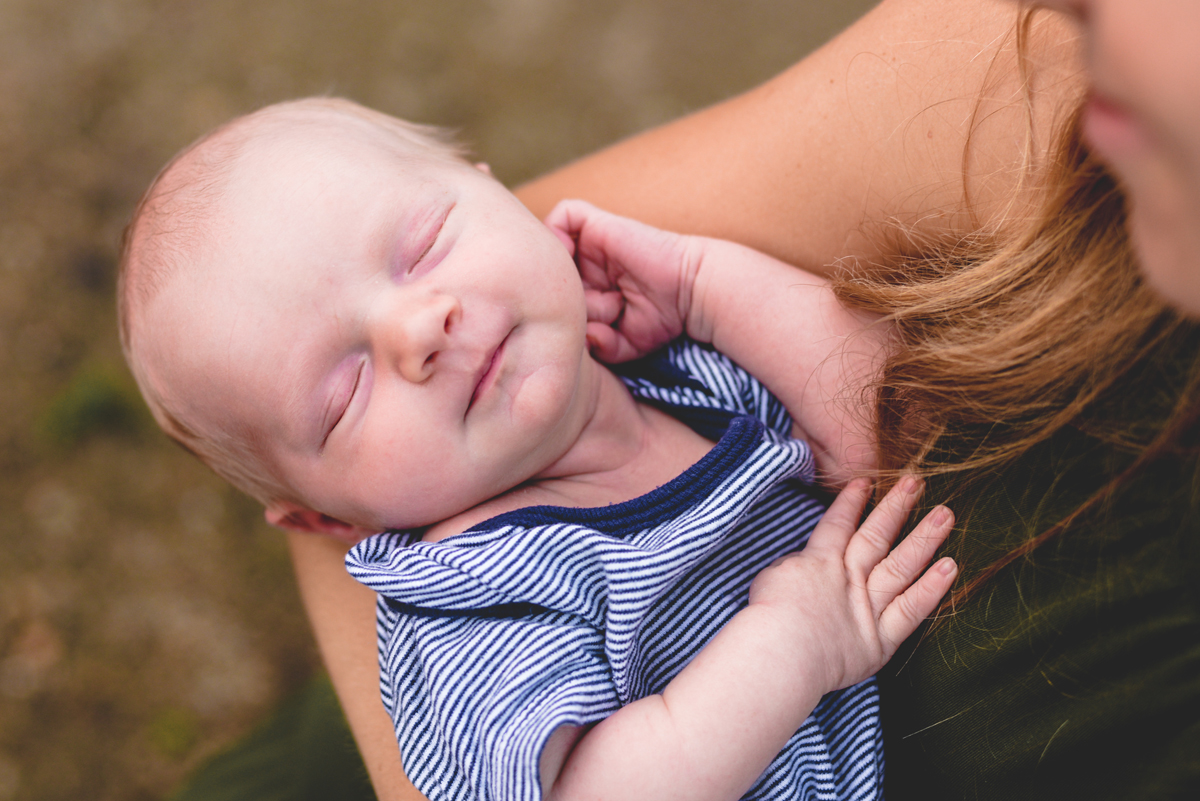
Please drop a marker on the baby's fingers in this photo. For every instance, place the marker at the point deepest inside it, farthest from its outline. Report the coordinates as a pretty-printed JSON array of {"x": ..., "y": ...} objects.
[
  {"x": 841, "y": 519},
  {"x": 875, "y": 536},
  {"x": 568, "y": 217},
  {"x": 605, "y": 307},
  {"x": 901, "y": 617},
  {"x": 901, "y": 567},
  {"x": 905, "y": 606},
  {"x": 608, "y": 345}
]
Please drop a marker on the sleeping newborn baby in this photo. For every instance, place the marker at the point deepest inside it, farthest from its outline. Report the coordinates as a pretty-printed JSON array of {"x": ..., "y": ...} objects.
[{"x": 590, "y": 580}]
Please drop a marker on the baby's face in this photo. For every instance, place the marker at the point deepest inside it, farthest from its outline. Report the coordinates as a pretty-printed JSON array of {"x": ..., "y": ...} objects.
[{"x": 406, "y": 338}]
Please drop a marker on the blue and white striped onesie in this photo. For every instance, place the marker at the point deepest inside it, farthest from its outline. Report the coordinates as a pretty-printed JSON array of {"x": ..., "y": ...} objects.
[{"x": 548, "y": 616}]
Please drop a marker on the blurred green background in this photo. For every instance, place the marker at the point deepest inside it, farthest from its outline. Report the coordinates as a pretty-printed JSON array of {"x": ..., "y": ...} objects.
[{"x": 148, "y": 617}]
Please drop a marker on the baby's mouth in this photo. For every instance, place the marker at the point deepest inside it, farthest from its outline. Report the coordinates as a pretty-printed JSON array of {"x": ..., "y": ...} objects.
[{"x": 488, "y": 377}]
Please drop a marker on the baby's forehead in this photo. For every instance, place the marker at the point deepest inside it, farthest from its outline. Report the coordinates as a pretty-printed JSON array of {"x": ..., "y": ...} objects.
[
  {"x": 213, "y": 191},
  {"x": 296, "y": 135},
  {"x": 284, "y": 170},
  {"x": 272, "y": 152},
  {"x": 275, "y": 142}
]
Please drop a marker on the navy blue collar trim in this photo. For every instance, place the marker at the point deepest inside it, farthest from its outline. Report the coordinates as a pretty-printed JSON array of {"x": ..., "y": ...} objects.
[{"x": 742, "y": 436}]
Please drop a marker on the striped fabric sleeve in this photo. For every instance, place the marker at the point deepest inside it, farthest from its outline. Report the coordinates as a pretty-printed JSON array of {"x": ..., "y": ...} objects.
[{"x": 477, "y": 697}]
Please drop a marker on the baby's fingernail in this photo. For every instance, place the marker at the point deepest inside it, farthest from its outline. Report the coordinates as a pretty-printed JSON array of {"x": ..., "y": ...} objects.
[
  {"x": 945, "y": 566},
  {"x": 910, "y": 485},
  {"x": 939, "y": 515}
]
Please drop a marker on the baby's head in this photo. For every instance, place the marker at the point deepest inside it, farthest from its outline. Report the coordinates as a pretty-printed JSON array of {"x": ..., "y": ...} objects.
[{"x": 341, "y": 316}]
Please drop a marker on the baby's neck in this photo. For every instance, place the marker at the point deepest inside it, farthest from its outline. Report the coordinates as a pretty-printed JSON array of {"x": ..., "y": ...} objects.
[{"x": 628, "y": 449}]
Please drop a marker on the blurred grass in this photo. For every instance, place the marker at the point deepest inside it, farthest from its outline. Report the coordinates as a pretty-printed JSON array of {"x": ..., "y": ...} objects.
[
  {"x": 303, "y": 752},
  {"x": 99, "y": 399},
  {"x": 174, "y": 731},
  {"x": 147, "y": 615}
]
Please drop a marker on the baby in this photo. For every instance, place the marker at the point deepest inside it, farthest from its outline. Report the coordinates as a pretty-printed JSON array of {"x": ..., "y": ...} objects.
[{"x": 581, "y": 595}]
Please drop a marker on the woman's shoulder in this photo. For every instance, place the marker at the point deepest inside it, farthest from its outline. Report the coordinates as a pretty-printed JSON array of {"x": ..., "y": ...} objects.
[{"x": 918, "y": 114}]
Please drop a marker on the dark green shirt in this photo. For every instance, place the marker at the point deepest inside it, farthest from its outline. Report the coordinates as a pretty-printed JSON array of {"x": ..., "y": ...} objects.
[{"x": 1074, "y": 673}]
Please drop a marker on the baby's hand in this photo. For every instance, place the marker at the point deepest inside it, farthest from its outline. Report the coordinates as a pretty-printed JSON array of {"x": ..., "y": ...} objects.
[
  {"x": 848, "y": 600},
  {"x": 638, "y": 280}
]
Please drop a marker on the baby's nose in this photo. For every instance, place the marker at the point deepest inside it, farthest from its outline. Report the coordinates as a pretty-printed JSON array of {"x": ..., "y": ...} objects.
[{"x": 421, "y": 332}]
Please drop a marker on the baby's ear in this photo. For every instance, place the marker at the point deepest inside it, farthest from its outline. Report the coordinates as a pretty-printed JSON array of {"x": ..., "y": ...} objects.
[{"x": 293, "y": 517}]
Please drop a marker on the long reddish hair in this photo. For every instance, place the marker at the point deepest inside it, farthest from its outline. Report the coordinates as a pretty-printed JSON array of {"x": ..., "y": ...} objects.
[{"x": 1003, "y": 339}]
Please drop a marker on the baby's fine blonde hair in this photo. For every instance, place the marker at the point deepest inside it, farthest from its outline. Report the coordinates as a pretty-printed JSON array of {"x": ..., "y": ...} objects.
[{"x": 170, "y": 231}]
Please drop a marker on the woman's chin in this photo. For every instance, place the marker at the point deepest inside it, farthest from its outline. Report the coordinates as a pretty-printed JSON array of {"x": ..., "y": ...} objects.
[{"x": 1169, "y": 257}]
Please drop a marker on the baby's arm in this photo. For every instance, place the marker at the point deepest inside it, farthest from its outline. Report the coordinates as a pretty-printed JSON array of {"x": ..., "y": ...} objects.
[
  {"x": 782, "y": 324},
  {"x": 818, "y": 620}
]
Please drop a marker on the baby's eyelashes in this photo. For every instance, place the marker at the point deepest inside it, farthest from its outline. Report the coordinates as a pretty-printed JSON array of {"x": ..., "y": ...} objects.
[
  {"x": 413, "y": 268},
  {"x": 424, "y": 243},
  {"x": 340, "y": 401}
]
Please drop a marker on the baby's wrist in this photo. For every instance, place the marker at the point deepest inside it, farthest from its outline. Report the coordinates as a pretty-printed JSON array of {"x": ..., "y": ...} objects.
[
  {"x": 793, "y": 646},
  {"x": 748, "y": 679}
]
